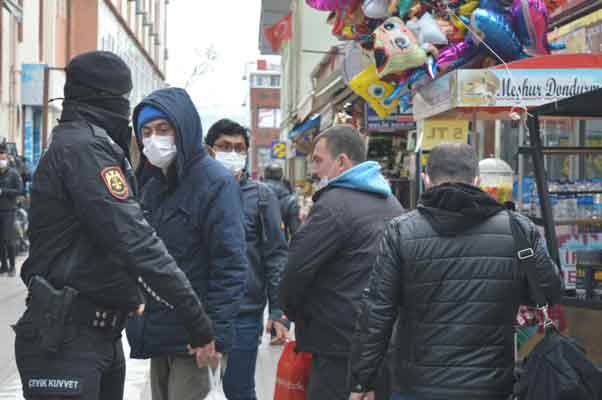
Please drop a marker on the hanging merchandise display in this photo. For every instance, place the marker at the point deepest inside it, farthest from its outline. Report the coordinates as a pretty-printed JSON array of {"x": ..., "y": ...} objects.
[{"x": 413, "y": 42}]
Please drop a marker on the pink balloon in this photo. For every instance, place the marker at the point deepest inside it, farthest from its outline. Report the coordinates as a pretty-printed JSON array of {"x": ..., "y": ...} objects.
[
  {"x": 530, "y": 21},
  {"x": 455, "y": 54},
  {"x": 328, "y": 5}
]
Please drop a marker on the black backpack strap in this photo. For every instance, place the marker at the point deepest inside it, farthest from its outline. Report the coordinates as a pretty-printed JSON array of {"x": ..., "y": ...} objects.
[
  {"x": 526, "y": 261},
  {"x": 262, "y": 206}
]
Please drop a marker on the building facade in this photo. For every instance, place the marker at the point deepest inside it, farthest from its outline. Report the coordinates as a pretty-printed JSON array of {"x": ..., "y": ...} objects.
[
  {"x": 38, "y": 39},
  {"x": 11, "y": 36},
  {"x": 311, "y": 40},
  {"x": 264, "y": 94}
]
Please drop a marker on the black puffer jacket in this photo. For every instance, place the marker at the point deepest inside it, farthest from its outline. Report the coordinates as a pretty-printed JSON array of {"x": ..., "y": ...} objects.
[
  {"x": 451, "y": 266},
  {"x": 289, "y": 207},
  {"x": 331, "y": 257}
]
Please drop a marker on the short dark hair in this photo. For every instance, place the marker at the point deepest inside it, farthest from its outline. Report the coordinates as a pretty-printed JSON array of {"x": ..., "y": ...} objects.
[
  {"x": 226, "y": 127},
  {"x": 273, "y": 171},
  {"x": 452, "y": 162},
  {"x": 344, "y": 139}
]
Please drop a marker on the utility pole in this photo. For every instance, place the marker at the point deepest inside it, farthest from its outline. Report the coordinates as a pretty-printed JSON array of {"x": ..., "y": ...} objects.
[{"x": 45, "y": 100}]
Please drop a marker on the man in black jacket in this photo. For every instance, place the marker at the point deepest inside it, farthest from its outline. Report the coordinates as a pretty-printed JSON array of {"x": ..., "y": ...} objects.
[
  {"x": 228, "y": 142},
  {"x": 289, "y": 205},
  {"x": 451, "y": 266},
  {"x": 332, "y": 254},
  {"x": 93, "y": 254},
  {"x": 11, "y": 187}
]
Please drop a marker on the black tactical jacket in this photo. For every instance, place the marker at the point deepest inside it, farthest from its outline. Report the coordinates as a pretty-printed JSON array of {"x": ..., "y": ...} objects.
[
  {"x": 12, "y": 187},
  {"x": 88, "y": 231}
]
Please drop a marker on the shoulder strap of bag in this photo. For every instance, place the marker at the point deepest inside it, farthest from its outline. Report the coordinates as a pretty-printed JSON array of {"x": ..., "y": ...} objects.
[
  {"x": 262, "y": 205},
  {"x": 526, "y": 261}
]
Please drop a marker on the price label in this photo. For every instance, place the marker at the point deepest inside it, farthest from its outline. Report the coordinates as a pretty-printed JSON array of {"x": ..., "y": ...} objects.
[{"x": 437, "y": 131}]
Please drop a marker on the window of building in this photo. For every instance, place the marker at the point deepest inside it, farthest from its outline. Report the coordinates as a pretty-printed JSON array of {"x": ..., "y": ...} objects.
[
  {"x": 260, "y": 81},
  {"x": 268, "y": 118},
  {"x": 275, "y": 81}
]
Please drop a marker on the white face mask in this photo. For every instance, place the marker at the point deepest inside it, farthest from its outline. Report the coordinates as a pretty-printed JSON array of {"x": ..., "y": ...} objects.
[
  {"x": 3, "y": 164},
  {"x": 160, "y": 150},
  {"x": 233, "y": 161}
]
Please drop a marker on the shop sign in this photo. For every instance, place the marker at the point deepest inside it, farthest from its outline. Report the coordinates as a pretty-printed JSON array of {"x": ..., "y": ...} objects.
[
  {"x": 397, "y": 121},
  {"x": 32, "y": 84},
  {"x": 278, "y": 150},
  {"x": 528, "y": 87},
  {"x": 436, "y": 131},
  {"x": 503, "y": 88},
  {"x": 434, "y": 98}
]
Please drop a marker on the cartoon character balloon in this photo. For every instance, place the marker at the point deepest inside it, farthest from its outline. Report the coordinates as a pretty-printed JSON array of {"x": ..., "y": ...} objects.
[
  {"x": 394, "y": 48},
  {"x": 371, "y": 88}
]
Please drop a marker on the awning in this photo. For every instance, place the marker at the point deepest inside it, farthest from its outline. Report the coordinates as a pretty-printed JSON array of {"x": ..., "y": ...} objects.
[{"x": 312, "y": 123}]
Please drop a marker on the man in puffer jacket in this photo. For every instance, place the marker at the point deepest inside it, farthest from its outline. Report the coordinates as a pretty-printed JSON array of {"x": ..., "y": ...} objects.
[
  {"x": 331, "y": 256},
  {"x": 451, "y": 266}
]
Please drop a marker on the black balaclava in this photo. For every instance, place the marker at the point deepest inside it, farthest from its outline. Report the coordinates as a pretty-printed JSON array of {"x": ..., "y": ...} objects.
[{"x": 97, "y": 87}]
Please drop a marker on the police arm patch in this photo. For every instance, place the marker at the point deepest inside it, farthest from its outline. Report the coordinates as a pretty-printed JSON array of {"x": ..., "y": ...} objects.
[{"x": 115, "y": 182}]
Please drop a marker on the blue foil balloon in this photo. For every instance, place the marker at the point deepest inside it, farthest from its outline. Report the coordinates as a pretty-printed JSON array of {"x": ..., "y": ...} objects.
[{"x": 495, "y": 30}]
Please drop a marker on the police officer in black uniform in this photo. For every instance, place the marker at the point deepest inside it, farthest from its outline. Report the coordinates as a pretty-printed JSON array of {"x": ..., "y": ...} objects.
[{"x": 93, "y": 255}]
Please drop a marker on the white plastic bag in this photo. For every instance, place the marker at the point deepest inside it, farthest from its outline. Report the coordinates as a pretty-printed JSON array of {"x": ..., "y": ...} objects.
[{"x": 216, "y": 390}]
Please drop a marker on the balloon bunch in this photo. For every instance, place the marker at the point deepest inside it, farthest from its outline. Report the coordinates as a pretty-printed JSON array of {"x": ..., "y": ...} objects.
[{"x": 410, "y": 42}]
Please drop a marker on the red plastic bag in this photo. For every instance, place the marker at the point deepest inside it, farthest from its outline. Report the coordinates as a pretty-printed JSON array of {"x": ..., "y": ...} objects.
[{"x": 292, "y": 375}]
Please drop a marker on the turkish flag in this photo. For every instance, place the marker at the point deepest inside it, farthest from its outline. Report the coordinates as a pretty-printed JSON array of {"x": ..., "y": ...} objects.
[{"x": 280, "y": 32}]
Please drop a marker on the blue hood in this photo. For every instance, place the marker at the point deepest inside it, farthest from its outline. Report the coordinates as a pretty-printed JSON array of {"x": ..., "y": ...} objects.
[
  {"x": 181, "y": 112},
  {"x": 365, "y": 177}
]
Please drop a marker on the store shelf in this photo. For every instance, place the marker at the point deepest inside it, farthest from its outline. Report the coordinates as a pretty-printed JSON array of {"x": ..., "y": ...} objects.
[
  {"x": 581, "y": 303},
  {"x": 564, "y": 222},
  {"x": 570, "y": 192},
  {"x": 561, "y": 150}
]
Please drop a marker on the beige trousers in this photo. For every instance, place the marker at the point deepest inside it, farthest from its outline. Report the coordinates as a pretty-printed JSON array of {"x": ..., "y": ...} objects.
[{"x": 178, "y": 378}]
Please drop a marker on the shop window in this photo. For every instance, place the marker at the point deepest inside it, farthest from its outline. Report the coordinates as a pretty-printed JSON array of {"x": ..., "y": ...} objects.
[
  {"x": 559, "y": 133},
  {"x": 268, "y": 117},
  {"x": 261, "y": 81},
  {"x": 592, "y": 165}
]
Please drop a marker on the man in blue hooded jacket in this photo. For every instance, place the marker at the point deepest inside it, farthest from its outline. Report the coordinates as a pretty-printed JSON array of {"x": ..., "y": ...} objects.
[
  {"x": 332, "y": 254},
  {"x": 195, "y": 206},
  {"x": 228, "y": 142}
]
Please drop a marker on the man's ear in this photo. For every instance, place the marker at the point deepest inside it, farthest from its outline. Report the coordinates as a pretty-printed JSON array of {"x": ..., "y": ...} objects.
[
  {"x": 210, "y": 150},
  {"x": 346, "y": 162}
]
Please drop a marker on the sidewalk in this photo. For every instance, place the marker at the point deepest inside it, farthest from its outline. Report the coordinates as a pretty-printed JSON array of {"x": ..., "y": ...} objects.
[{"x": 137, "y": 385}]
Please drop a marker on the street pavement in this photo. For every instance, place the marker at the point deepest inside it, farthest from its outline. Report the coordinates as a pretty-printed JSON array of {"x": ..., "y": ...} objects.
[{"x": 12, "y": 301}]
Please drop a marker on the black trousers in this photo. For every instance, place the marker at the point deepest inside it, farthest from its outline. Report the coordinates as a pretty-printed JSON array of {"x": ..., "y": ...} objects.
[
  {"x": 328, "y": 378},
  {"x": 90, "y": 365},
  {"x": 7, "y": 240}
]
